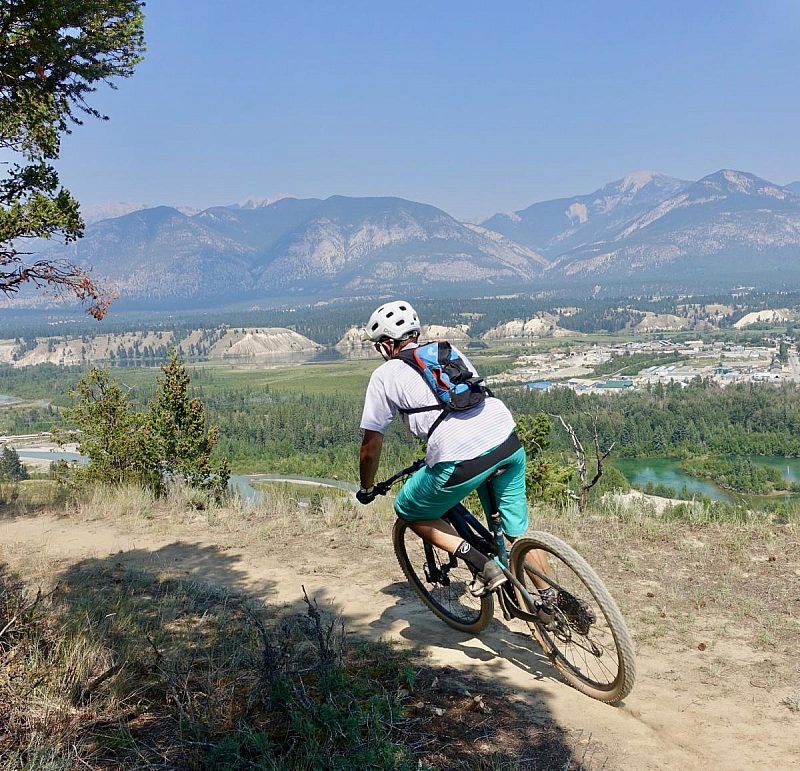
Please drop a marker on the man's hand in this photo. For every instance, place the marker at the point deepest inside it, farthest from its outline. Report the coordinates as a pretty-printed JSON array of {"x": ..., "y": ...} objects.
[{"x": 366, "y": 496}]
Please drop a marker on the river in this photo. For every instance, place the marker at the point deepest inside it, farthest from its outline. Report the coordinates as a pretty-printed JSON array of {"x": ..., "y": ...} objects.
[
  {"x": 242, "y": 483},
  {"x": 666, "y": 471}
]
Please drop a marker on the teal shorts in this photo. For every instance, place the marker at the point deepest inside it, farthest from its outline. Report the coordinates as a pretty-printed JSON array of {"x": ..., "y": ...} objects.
[{"x": 427, "y": 495}]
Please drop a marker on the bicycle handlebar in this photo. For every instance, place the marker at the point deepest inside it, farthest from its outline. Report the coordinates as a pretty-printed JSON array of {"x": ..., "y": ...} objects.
[{"x": 381, "y": 488}]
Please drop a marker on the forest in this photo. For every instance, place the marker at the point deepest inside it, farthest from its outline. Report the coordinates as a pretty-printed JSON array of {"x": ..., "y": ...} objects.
[
  {"x": 309, "y": 424},
  {"x": 669, "y": 420},
  {"x": 740, "y": 475}
]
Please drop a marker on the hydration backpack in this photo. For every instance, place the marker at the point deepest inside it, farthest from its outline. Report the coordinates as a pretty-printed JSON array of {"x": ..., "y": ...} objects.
[{"x": 455, "y": 387}]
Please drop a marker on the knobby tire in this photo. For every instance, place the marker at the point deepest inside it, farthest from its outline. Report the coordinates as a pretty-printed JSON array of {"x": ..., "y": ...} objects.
[
  {"x": 619, "y": 684},
  {"x": 453, "y": 604}
]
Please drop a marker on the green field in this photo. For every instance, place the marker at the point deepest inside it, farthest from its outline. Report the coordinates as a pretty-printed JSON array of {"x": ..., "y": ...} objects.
[{"x": 349, "y": 376}]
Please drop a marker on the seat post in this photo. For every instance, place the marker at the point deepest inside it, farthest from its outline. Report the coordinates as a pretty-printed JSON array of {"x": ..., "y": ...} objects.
[{"x": 494, "y": 515}]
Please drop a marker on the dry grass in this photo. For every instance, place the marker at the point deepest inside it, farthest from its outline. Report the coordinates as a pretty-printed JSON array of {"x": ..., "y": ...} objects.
[
  {"x": 692, "y": 582},
  {"x": 28, "y": 496},
  {"x": 123, "y": 669},
  {"x": 287, "y": 511},
  {"x": 792, "y": 702},
  {"x": 284, "y": 511}
]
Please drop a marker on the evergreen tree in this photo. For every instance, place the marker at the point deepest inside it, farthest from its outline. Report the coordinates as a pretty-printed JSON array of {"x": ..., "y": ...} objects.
[
  {"x": 114, "y": 438},
  {"x": 545, "y": 478},
  {"x": 53, "y": 53},
  {"x": 178, "y": 423},
  {"x": 659, "y": 445},
  {"x": 11, "y": 468}
]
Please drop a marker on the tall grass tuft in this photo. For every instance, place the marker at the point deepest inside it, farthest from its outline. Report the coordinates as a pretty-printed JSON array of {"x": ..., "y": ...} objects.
[{"x": 113, "y": 502}]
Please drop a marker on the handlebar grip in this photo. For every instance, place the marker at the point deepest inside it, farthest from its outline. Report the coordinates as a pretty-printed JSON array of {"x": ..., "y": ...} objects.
[{"x": 364, "y": 497}]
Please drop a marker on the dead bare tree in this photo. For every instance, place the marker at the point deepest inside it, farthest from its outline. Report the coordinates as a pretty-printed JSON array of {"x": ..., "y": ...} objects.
[
  {"x": 59, "y": 277},
  {"x": 581, "y": 465}
]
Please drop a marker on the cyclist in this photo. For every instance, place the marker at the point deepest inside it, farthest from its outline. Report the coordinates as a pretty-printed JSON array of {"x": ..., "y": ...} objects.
[{"x": 464, "y": 449}]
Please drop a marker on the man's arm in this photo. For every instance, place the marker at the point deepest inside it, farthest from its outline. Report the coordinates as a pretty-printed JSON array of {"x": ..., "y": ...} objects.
[{"x": 371, "y": 445}]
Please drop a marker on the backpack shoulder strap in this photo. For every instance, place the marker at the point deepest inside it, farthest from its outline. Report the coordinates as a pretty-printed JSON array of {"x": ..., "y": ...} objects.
[
  {"x": 445, "y": 351},
  {"x": 408, "y": 356}
]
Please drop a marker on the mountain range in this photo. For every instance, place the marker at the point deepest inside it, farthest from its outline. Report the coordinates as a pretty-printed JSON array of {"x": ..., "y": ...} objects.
[
  {"x": 554, "y": 227},
  {"x": 725, "y": 228},
  {"x": 348, "y": 245}
]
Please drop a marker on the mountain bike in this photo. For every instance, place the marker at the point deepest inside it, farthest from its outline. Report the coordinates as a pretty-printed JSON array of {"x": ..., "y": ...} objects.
[{"x": 580, "y": 629}]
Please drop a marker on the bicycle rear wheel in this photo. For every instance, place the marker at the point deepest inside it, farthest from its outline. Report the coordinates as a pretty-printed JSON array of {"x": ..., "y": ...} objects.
[
  {"x": 586, "y": 640},
  {"x": 449, "y": 597}
]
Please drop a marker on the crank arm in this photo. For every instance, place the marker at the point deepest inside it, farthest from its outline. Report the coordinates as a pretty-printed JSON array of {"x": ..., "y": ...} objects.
[{"x": 526, "y": 595}]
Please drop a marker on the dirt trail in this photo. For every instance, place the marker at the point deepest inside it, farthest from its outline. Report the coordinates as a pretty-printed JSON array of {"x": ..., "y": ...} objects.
[{"x": 678, "y": 717}]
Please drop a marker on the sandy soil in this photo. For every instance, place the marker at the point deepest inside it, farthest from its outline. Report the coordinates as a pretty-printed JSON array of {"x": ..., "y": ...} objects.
[{"x": 681, "y": 715}]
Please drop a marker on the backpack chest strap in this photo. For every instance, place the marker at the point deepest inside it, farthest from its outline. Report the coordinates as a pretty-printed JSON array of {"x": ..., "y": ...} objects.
[{"x": 414, "y": 410}]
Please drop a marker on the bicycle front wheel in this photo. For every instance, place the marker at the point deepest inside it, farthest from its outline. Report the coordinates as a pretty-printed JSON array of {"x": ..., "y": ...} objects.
[
  {"x": 442, "y": 588},
  {"x": 585, "y": 637}
]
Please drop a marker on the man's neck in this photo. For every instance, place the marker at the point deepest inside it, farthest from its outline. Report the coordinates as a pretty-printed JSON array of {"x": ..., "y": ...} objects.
[{"x": 408, "y": 345}]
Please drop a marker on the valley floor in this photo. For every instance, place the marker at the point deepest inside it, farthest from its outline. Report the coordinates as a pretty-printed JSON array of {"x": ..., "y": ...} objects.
[{"x": 715, "y": 690}]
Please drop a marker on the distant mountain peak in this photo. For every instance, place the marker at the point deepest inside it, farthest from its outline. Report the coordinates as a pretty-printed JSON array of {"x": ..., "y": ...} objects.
[
  {"x": 254, "y": 202},
  {"x": 631, "y": 184},
  {"x": 109, "y": 210},
  {"x": 553, "y": 227},
  {"x": 638, "y": 179},
  {"x": 732, "y": 181}
]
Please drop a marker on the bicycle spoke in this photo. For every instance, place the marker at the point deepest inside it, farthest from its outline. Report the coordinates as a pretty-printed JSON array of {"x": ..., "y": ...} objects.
[
  {"x": 454, "y": 598},
  {"x": 590, "y": 653}
]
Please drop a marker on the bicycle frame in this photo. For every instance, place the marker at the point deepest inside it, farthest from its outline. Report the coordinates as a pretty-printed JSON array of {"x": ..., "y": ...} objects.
[{"x": 488, "y": 542}]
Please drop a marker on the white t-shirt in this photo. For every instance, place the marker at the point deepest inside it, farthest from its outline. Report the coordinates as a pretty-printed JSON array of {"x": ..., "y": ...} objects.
[{"x": 460, "y": 436}]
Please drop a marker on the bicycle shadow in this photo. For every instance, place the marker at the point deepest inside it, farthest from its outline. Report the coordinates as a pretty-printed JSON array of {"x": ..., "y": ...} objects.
[{"x": 495, "y": 644}]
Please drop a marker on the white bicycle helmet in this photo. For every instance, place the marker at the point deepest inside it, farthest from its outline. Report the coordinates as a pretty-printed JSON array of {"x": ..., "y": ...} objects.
[{"x": 394, "y": 320}]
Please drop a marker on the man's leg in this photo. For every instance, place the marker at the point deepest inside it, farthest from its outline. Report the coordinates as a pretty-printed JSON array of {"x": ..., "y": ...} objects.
[
  {"x": 437, "y": 532},
  {"x": 508, "y": 489},
  {"x": 537, "y": 559},
  {"x": 421, "y": 502},
  {"x": 422, "y": 499}
]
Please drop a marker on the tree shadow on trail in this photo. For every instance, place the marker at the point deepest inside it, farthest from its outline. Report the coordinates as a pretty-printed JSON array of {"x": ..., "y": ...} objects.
[
  {"x": 168, "y": 637},
  {"x": 204, "y": 563},
  {"x": 161, "y": 659}
]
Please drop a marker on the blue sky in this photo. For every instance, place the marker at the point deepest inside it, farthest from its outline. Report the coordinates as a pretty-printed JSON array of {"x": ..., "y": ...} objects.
[{"x": 476, "y": 107}]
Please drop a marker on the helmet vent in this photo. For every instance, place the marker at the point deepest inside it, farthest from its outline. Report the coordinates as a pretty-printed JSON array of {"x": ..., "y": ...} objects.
[{"x": 390, "y": 314}]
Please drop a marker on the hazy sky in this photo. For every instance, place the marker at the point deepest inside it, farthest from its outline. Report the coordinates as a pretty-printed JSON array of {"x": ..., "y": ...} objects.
[{"x": 476, "y": 107}]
